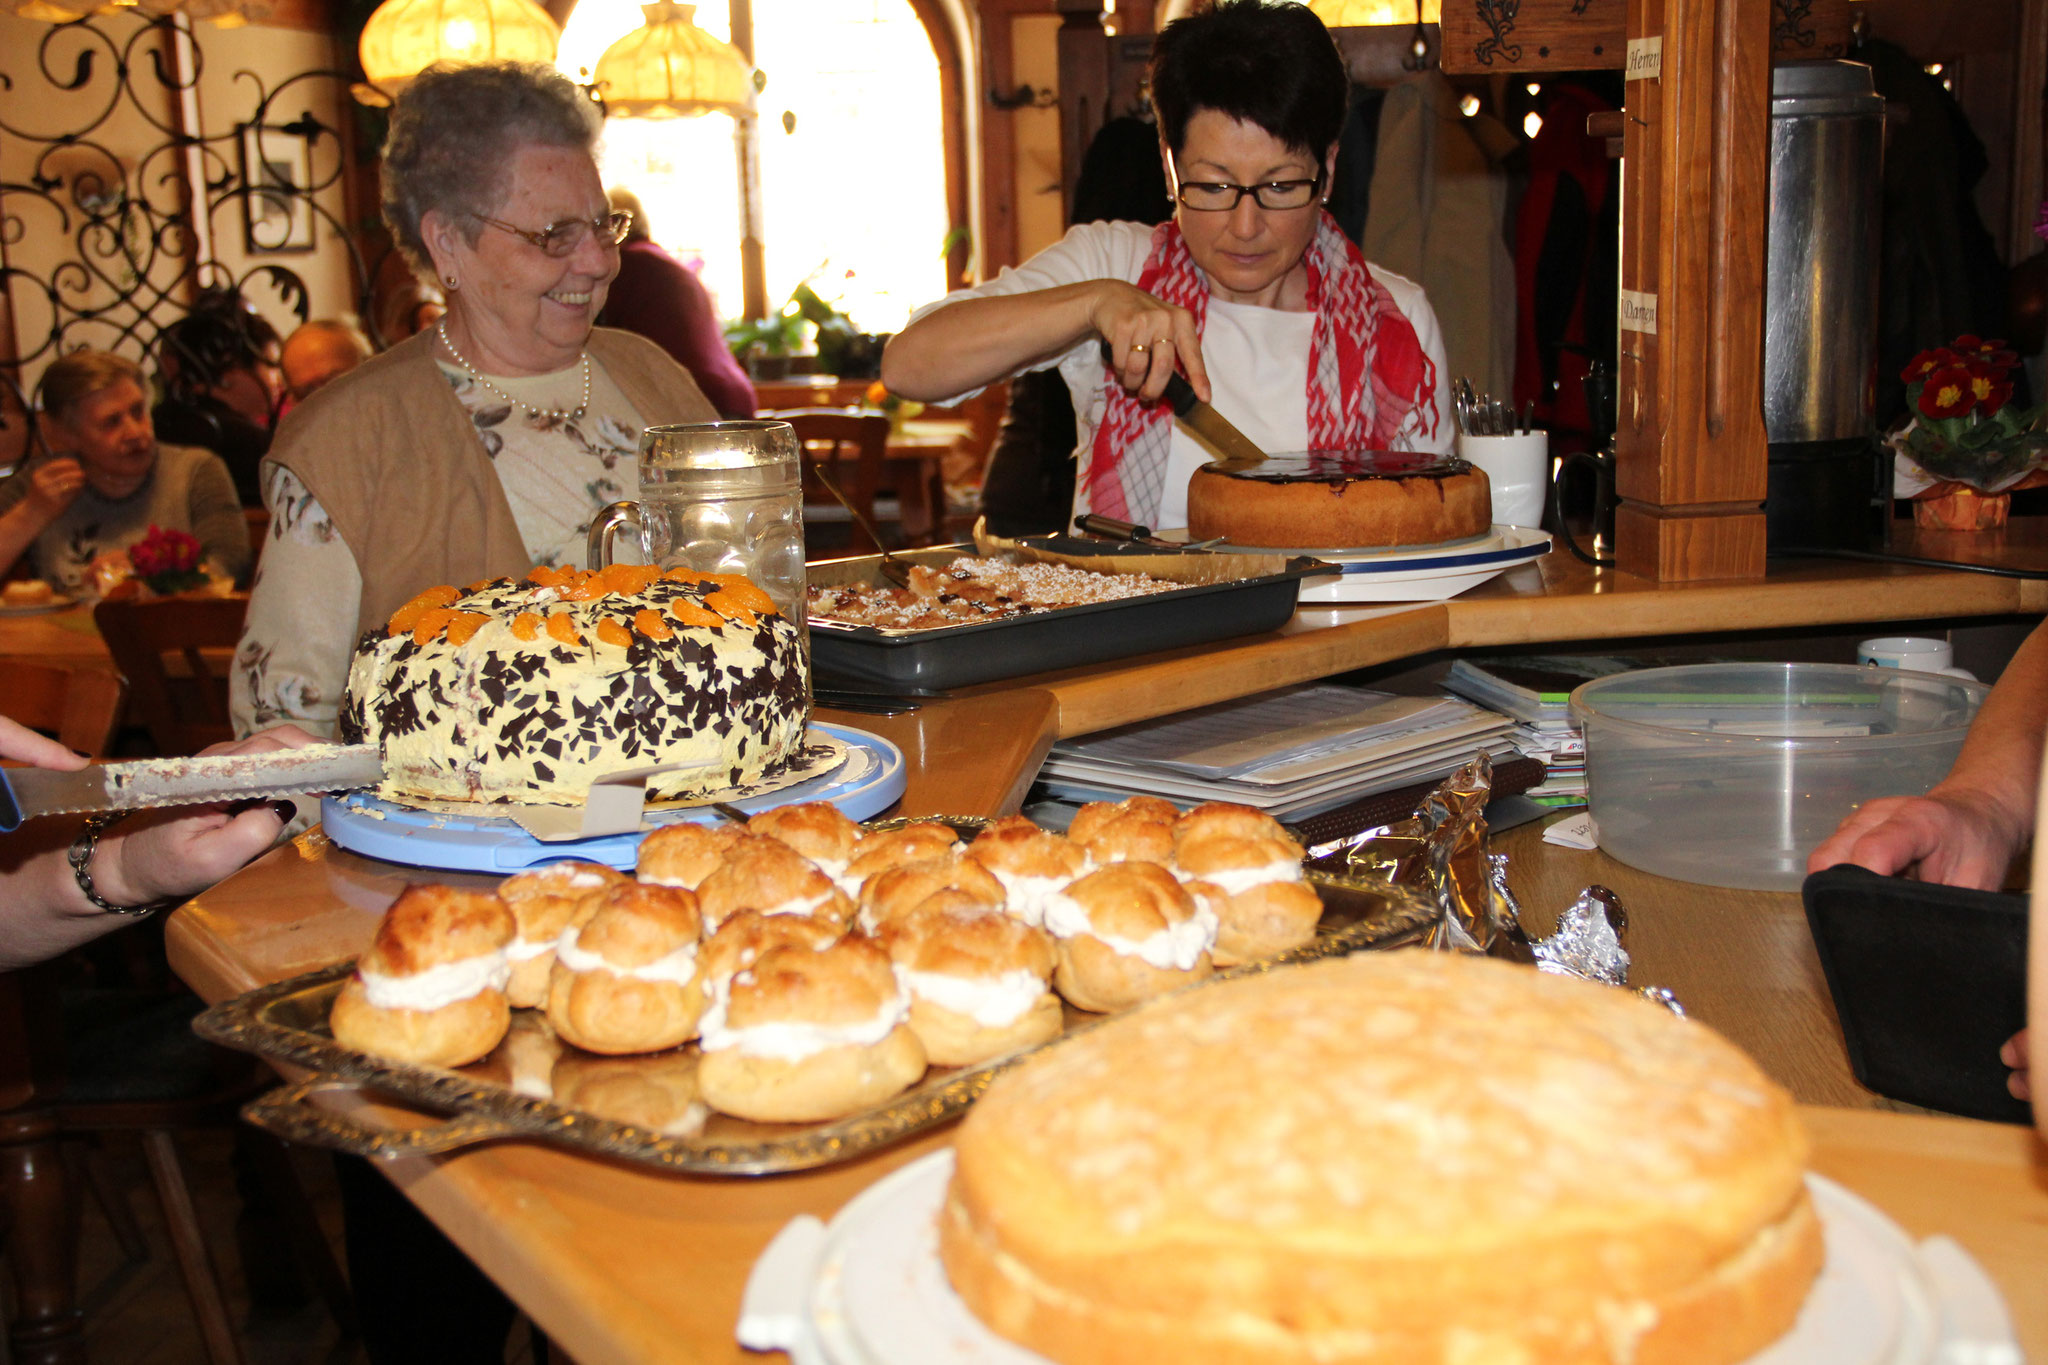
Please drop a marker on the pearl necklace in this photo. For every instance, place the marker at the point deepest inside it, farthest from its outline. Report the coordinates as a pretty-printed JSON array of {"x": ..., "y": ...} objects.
[{"x": 557, "y": 414}]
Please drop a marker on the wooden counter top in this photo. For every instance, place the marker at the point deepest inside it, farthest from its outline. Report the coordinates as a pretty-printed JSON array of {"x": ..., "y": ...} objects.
[
  {"x": 1558, "y": 598},
  {"x": 618, "y": 1263}
]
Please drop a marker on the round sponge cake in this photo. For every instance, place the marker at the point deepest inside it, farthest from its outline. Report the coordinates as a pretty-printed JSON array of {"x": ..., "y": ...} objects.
[
  {"x": 1337, "y": 500},
  {"x": 1393, "y": 1158},
  {"x": 529, "y": 690}
]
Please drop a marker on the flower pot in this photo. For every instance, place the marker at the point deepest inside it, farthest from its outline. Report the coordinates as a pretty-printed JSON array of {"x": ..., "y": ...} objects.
[{"x": 1963, "y": 509}]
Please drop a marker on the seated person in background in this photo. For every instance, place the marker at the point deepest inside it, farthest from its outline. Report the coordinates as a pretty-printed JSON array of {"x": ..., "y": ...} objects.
[
  {"x": 1250, "y": 287},
  {"x": 320, "y": 350},
  {"x": 218, "y": 365},
  {"x": 662, "y": 299},
  {"x": 1971, "y": 824},
  {"x": 106, "y": 480},
  {"x": 146, "y": 858}
]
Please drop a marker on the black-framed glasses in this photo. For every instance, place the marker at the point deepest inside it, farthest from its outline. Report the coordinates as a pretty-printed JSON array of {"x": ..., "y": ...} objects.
[
  {"x": 1220, "y": 196},
  {"x": 562, "y": 239}
]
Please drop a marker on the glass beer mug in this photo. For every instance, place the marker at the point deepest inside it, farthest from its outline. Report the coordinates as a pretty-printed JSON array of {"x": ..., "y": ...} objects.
[{"x": 717, "y": 497}]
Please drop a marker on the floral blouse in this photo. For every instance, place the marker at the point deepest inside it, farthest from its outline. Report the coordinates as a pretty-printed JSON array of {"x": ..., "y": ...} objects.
[{"x": 557, "y": 474}]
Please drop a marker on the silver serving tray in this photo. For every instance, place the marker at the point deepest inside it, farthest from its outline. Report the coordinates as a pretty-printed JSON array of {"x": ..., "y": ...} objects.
[{"x": 287, "y": 1023}]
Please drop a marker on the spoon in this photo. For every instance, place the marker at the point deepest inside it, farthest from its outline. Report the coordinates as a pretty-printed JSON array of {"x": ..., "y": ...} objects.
[{"x": 893, "y": 569}]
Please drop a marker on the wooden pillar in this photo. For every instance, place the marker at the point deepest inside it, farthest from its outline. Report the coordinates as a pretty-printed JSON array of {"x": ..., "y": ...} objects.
[
  {"x": 1083, "y": 87},
  {"x": 1692, "y": 466}
]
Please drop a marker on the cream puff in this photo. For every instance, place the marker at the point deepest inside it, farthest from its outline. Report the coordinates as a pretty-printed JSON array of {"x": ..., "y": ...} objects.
[
  {"x": 1227, "y": 817},
  {"x": 979, "y": 982},
  {"x": 1126, "y": 933},
  {"x": 543, "y": 903},
  {"x": 626, "y": 981},
  {"x": 1255, "y": 886},
  {"x": 884, "y": 849},
  {"x": 816, "y": 829},
  {"x": 659, "y": 1094},
  {"x": 1133, "y": 837},
  {"x": 1031, "y": 863},
  {"x": 806, "y": 1036},
  {"x": 431, "y": 989},
  {"x": 746, "y": 935},
  {"x": 759, "y": 873},
  {"x": 1096, "y": 814},
  {"x": 683, "y": 855},
  {"x": 891, "y": 893}
]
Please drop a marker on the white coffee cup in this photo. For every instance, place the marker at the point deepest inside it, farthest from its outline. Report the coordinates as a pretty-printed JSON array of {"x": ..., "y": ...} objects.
[
  {"x": 1912, "y": 652},
  {"x": 1518, "y": 467}
]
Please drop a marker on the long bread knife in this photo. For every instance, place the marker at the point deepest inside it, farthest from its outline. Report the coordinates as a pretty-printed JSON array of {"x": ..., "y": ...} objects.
[{"x": 26, "y": 793}]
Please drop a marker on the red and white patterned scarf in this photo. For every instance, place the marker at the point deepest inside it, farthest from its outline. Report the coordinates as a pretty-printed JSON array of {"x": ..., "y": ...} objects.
[{"x": 1360, "y": 335}]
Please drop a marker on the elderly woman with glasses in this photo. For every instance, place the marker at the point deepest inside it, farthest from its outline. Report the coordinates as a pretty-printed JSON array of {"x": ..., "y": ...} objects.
[
  {"x": 1250, "y": 289},
  {"x": 487, "y": 443}
]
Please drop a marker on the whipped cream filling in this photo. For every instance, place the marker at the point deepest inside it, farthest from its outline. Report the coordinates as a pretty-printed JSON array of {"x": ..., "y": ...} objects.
[
  {"x": 677, "y": 968},
  {"x": 1025, "y": 895},
  {"x": 527, "y": 949},
  {"x": 792, "y": 1042},
  {"x": 437, "y": 987},
  {"x": 990, "y": 1001},
  {"x": 800, "y": 905},
  {"x": 1177, "y": 947},
  {"x": 1233, "y": 880}
]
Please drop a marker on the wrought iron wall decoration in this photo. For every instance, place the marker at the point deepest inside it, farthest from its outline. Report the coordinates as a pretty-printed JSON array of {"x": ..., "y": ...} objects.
[
  {"x": 133, "y": 218},
  {"x": 1792, "y": 23}
]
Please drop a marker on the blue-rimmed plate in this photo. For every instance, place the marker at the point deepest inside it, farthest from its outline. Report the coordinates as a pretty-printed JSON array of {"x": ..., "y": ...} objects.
[{"x": 362, "y": 822}]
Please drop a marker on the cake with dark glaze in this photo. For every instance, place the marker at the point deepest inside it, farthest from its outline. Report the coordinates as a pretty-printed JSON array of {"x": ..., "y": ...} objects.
[
  {"x": 531, "y": 689},
  {"x": 1334, "y": 500}
]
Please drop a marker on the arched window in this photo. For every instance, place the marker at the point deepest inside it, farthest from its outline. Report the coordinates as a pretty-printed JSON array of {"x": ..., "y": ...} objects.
[{"x": 851, "y": 146}]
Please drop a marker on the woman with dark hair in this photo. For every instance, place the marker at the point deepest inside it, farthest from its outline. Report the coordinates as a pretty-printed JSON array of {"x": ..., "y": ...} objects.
[
  {"x": 222, "y": 380},
  {"x": 1250, "y": 289},
  {"x": 487, "y": 443}
]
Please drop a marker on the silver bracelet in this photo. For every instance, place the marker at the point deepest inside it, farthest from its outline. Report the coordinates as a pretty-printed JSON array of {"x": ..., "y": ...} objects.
[{"x": 80, "y": 858}]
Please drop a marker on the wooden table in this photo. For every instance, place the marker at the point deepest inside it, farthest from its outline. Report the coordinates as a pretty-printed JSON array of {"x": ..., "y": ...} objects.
[
  {"x": 60, "y": 639},
  {"x": 620, "y": 1264}
]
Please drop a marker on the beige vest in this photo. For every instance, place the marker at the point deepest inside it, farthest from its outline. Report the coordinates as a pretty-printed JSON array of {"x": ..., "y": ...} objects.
[{"x": 390, "y": 453}]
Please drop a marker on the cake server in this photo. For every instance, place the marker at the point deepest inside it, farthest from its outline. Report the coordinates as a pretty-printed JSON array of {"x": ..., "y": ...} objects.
[{"x": 26, "y": 793}]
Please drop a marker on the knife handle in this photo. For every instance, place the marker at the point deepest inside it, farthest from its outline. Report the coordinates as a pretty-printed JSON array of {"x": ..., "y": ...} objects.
[
  {"x": 1095, "y": 524},
  {"x": 10, "y": 809},
  {"x": 1179, "y": 392}
]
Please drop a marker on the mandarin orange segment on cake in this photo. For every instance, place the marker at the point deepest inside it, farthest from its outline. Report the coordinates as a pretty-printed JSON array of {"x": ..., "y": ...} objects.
[{"x": 406, "y": 617}]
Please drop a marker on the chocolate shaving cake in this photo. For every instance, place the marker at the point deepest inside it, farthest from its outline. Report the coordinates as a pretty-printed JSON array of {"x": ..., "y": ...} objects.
[{"x": 529, "y": 690}]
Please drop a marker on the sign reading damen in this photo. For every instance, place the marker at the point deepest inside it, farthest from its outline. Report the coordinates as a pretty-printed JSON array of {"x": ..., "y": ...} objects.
[{"x": 1638, "y": 312}]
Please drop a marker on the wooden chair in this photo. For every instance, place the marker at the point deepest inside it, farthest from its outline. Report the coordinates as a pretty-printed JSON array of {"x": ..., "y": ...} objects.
[
  {"x": 184, "y": 708},
  {"x": 854, "y": 448},
  {"x": 80, "y": 706}
]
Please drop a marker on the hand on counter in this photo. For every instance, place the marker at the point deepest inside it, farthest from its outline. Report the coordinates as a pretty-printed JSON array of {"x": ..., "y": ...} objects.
[{"x": 1953, "y": 836}]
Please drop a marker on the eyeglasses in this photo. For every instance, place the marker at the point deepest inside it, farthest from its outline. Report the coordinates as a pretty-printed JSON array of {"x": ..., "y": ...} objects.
[
  {"x": 562, "y": 239},
  {"x": 1220, "y": 196}
]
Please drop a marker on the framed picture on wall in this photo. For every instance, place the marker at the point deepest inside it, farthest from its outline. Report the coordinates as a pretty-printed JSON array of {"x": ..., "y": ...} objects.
[{"x": 277, "y": 207}]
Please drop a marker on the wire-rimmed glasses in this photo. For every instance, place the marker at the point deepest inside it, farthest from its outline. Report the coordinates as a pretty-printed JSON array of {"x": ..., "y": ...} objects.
[{"x": 562, "y": 239}]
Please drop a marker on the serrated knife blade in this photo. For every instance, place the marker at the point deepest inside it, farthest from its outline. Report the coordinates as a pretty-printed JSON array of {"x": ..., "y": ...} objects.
[{"x": 26, "y": 793}]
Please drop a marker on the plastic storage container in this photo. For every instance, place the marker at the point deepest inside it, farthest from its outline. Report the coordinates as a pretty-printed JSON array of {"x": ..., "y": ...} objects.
[{"x": 1730, "y": 774}]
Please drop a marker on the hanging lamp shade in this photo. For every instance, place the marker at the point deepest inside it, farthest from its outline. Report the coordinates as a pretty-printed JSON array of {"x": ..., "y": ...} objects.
[
  {"x": 223, "y": 13},
  {"x": 405, "y": 37},
  {"x": 670, "y": 68},
  {"x": 1374, "y": 13}
]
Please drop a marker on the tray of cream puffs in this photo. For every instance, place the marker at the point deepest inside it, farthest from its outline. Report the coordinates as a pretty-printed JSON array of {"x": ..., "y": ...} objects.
[{"x": 788, "y": 993}]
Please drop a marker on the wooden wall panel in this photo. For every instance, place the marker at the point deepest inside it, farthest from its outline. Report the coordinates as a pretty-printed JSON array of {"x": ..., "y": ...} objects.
[{"x": 1486, "y": 36}]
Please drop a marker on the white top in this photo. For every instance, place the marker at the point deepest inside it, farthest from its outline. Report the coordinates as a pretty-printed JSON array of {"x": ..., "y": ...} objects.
[{"x": 1257, "y": 358}]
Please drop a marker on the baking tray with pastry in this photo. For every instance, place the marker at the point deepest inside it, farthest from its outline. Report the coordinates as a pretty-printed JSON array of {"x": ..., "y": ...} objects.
[
  {"x": 681, "y": 1107},
  {"x": 1213, "y": 597}
]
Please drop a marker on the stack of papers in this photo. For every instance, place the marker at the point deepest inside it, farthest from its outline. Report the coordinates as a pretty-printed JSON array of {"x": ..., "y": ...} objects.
[
  {"x": 1290, "y": 753},
  {"x": 1536, "y": 690}
]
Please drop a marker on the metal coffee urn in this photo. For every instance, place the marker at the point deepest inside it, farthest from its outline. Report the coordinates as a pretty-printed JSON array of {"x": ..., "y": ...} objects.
[{"x": 1828, "y": 482}]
